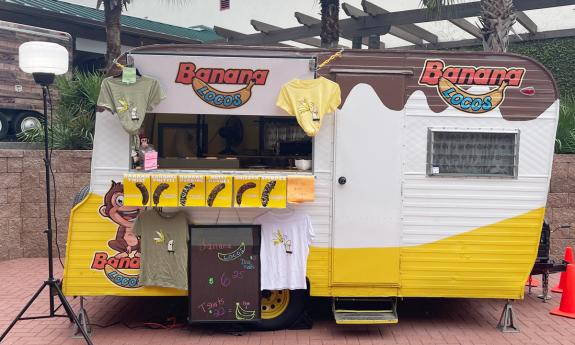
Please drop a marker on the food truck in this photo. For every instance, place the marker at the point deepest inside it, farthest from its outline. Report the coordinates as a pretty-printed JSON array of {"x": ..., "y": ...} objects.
[{"x": 429, "y": 179}]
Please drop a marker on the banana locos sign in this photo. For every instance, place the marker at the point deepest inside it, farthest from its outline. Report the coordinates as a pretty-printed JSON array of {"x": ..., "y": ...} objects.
[
  {"x": 451, "y": 80},
  {"x": 204, "y": 79}
]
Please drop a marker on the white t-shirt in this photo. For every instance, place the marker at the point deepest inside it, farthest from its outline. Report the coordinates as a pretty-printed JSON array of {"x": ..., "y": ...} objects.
[{"x": 286, "y": 238}]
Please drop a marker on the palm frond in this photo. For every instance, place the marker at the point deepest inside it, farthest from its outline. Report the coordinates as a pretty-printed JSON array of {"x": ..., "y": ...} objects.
[{"x": 72, "y": 125}]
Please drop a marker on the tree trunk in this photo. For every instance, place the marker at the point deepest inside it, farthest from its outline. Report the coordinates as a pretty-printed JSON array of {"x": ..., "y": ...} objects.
[
  {"x": 329, "y": 23},
  {"x": 497, "y": 18},
  {"x": 112, "y": 15}
]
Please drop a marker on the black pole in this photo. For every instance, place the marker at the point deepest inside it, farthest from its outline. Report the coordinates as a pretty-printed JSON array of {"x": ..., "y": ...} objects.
[
  {"x": 48, "y": 197},
  {"x": 44, "y": 80}
]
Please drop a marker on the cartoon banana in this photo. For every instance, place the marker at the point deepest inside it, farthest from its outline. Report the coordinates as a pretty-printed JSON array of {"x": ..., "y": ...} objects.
[
  {"x": 122, "y": 279},
  {"x": 233, "y": 255},
  {"x": 242, "y": 314},
  {"x": 468, "y": 102},
  {"x": 221, "y": 99}
]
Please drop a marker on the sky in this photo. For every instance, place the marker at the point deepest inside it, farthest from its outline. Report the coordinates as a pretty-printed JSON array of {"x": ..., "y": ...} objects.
[{"x": 280, "y": 13}]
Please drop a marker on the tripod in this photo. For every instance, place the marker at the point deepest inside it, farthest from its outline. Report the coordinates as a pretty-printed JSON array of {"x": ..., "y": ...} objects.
[{"x": 45, "y": 79}]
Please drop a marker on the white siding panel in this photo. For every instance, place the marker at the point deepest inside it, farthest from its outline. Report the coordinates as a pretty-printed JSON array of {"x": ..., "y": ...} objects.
[{"x": 438, "y": 207}]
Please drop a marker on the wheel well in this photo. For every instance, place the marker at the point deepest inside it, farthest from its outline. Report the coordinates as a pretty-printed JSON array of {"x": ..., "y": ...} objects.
[{"x": 12, "y": 113}]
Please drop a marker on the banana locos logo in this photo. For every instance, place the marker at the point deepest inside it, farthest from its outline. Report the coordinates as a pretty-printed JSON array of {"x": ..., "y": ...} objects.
[
  {"x": 201, "y": 80},
  {"x": 449, "y": 79}
]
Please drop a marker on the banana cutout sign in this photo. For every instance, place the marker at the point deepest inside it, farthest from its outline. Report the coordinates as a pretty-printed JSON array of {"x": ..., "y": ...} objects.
[
  {"x": 203, "y": 79},
  {"x": 450, "y": 81}
]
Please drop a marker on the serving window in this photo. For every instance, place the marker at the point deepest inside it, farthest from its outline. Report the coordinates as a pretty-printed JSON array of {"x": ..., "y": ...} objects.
[
  {"x": 473, "y": 153},
  {"x": 234, "y": 142}
]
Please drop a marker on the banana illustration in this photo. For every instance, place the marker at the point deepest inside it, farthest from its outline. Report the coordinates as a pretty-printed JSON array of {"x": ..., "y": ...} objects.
[
  {"x": 468, "y": 102},
  {"x": 161, "y": 238},
  {"x": 221, "y": 99},
  {"x": 124, "y": 106},
  {"x": 233, "y": 255},
  {"x": 279, "y": 238},
  {"x": 242, "y": 314},
  {"x": 122, "y": 279}
]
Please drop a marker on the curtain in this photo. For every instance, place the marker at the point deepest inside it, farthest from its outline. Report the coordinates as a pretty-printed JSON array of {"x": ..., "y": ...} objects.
[{"x": 473, "y": 153}]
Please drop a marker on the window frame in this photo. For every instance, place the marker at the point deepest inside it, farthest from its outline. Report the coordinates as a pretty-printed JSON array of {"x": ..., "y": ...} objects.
[
  {"x": 260, "y": 119},
  {"x": 429, "y": 160}
]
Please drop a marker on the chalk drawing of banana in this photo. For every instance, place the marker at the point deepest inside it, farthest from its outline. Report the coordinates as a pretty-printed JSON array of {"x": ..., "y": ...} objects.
[
  {"x": 242, "y": 314},
  {"x": 468, "y": 102},
  {"x": 221, "y": 99},
  {"x": 122, "y": 279},
  {"x": 233, "y": 255}
]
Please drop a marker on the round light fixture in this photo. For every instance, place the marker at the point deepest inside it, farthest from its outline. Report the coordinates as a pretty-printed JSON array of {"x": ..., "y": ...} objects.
[{"x": 43, "y": 57}]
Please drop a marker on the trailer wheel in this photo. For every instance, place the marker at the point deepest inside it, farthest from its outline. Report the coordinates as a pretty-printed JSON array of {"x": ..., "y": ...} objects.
[
  {"x": 25, "y": 121},
  {"x": 281, "y": 308},
  {"x": 81, "y": 195},
  {"x": 3, "y": 126}
]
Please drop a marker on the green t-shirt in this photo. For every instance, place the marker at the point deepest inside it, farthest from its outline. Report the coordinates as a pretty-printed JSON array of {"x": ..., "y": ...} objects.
[
  {"x": 164, "y": 249},
  {"x": 130, "y": 101}
]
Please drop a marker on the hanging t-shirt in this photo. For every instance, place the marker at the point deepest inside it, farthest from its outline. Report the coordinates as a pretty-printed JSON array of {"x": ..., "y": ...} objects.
[
  {"x": 164, "y": 249},
  {"x": 285, "y": 242},
  {"x": 309, "y": 100},
  {"x": 130, "y": 101}
]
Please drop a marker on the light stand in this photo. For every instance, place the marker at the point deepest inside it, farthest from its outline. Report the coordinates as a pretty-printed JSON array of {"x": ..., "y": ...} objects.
[{"x": 45, "y": 79}]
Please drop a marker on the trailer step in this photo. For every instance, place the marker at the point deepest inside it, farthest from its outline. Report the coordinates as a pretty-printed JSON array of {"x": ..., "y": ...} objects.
[{"x": 365, "y": 310}]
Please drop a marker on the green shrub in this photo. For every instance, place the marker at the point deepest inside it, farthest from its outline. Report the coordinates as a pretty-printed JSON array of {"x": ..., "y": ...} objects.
[
  {"x": 555, "y": 54},
  {"x": 72, "y": 125},
  {"x": 565, "y": 137}
]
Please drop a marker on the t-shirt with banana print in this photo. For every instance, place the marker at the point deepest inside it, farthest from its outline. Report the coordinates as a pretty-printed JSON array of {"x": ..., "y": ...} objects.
[
  {"x": 309, "y": 100},
  {"x": 130, "y": 101}
]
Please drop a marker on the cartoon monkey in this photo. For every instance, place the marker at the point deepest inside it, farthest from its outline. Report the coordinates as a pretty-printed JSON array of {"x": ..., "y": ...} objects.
[{"x": 126, "y": 241}]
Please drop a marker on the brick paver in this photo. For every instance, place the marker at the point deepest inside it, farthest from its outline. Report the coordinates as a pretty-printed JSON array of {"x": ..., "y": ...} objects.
[{"x": 421, "y": 321}]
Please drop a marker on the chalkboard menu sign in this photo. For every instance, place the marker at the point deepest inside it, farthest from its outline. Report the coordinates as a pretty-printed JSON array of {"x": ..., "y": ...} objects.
[{"x": 224, "y": 273}]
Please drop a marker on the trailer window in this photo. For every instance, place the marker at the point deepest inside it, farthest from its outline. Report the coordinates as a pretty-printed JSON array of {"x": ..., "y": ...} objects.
[
  {"x": 472, "y": 153},
  {"x": 226, "y": 142}
]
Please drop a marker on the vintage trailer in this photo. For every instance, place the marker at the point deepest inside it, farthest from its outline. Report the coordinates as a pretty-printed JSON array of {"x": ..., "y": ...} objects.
[{"x": 431, "y": 177}]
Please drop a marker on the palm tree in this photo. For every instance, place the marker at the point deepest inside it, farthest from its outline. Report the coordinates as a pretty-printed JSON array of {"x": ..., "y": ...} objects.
[
  {"x": 497, "y": 17},
  {"x": 112, "y": 16},
  {"x": 329, "y": 23}
]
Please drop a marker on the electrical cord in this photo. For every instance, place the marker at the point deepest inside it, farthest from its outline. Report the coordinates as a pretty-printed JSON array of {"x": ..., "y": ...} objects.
[
  {"x": 171, "y": 324},
  {"x": 55, "y": 198}
]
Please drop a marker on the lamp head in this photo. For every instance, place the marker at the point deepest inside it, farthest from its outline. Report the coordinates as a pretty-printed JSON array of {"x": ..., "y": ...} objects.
[{"x": 44, "y": 60}]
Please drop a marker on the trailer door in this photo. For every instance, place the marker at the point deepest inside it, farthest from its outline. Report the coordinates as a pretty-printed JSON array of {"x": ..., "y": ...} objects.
[{"x": 367, "y": 180}]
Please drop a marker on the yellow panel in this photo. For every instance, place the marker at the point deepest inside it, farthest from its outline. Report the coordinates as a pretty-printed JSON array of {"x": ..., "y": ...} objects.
[
  {"x": 192, "y": 190},
  {"x": 318, "y": 271},
  {"x": 137, "y": 190},
  {"x": 247, "y": 191},
  {"x": 493, "y": 261},
  {"x": 165, "y": 190},
  {"x": 361, "y": 266},
  {"x": 219, "y": 191}
]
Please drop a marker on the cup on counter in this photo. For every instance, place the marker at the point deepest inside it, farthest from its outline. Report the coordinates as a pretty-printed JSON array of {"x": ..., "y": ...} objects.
[{"x": 303, "y": 164}]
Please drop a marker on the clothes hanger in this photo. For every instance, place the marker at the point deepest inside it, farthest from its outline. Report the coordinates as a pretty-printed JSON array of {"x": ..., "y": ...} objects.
[{"x": 130, "y": 63}]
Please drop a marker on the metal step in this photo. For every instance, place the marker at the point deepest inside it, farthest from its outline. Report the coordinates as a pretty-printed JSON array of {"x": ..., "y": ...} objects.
[{"x": 365, "y": 310}]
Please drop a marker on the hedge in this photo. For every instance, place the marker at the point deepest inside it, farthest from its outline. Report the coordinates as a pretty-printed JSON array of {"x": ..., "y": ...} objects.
[{"x": 557, "y": 54}]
